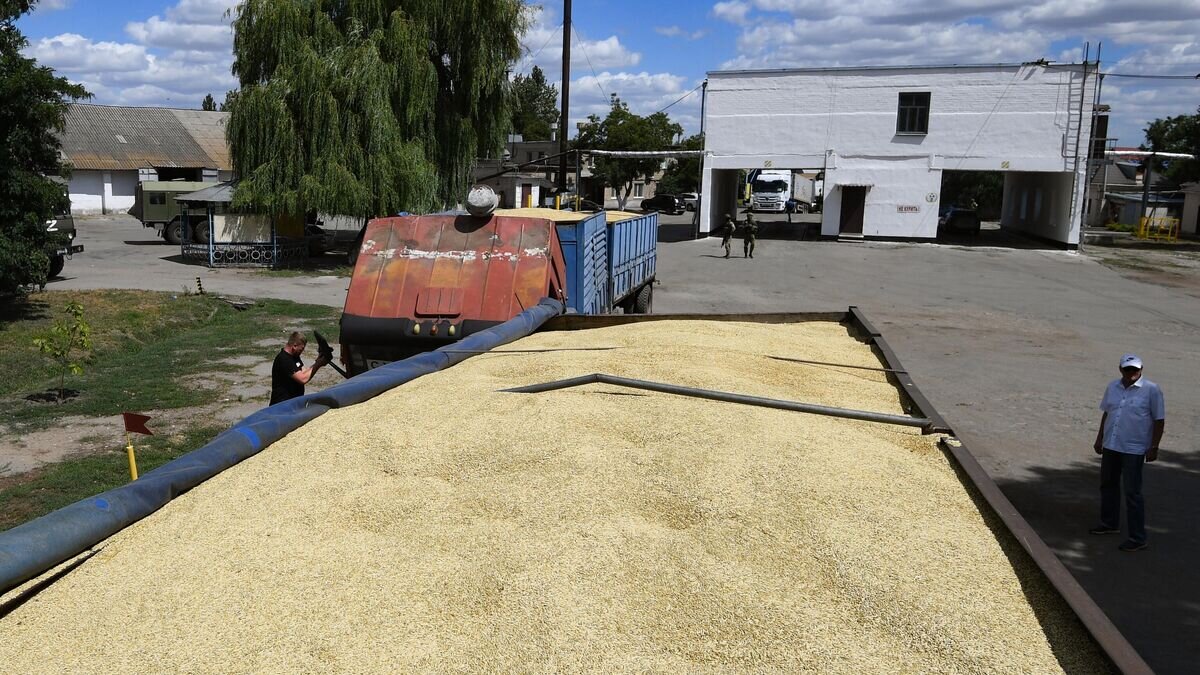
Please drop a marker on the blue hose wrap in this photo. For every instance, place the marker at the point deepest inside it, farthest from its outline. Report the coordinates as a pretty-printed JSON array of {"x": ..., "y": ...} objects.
[{"x": 30, "y": 549}]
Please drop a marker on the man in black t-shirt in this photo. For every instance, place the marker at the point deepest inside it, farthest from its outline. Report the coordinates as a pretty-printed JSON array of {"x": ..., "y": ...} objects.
[{"x": 288, "y": 374}]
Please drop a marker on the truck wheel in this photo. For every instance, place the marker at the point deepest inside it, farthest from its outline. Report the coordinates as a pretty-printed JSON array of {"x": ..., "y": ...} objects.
[
  {"x": 173, "y": 232},
  {"x": 200, "y": 232},
  {"x": 644, "y": 301},
  {"x": 57, "y": 262}
]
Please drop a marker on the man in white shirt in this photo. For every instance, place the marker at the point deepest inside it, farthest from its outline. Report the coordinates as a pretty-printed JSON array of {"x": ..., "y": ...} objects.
[{"x": 1130, "y": 430}]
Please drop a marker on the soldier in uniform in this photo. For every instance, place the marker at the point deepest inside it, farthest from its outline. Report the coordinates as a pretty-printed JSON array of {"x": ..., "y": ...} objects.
[
  {"x": 727, "y": 234},
  {"x": 749, "y": 235}
]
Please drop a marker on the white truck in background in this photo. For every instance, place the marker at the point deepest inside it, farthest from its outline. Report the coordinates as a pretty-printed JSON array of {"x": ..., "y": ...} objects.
[
  {"x": 777, "y": 191},
  {"x": 770, "y": 190},
  {"x": 804, "y": 191}
]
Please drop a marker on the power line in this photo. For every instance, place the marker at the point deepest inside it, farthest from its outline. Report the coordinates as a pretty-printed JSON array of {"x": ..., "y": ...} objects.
[
  {"x": 1132, "y": 75},
  {"x": 1153, "y": 77},
  {"x": 589, "y": 62},
  {"x": 534, "y": 55},
  {"x": 681, "y": 98}
]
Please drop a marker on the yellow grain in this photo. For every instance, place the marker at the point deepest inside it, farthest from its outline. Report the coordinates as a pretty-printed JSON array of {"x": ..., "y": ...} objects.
[{"x": 446, "y": 526}]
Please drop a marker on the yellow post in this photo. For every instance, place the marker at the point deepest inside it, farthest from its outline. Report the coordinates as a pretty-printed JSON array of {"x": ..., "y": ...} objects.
[
  {"x": 557, "y": 202},
  {"x": 132, "y": 458}
]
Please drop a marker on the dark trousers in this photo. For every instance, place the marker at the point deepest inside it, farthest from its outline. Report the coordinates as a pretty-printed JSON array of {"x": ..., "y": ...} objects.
[
  {"x": 1122, "y": 473},
  {"x": 748, "y": 247}
]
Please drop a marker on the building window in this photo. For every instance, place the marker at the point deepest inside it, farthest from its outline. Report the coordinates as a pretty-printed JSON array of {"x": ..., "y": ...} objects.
[
  {"x": 913, "y": 116},
  {"x": 637, "y": 189},
  {"x": 158, "y": 198}
]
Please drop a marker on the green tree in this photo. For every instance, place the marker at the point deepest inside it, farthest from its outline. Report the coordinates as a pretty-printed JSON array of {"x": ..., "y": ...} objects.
[
  {"x": 230, "y": 98},
  {"x": 68, "y": 344},
  {"x": 683, "y": 174},
  {"x": 209, "y": 103},
  {"x": 33, "y": 105},
  {"x": 370, "y": 106},
  {"x": 535, "y": 106},
  {"x": 623, "y": 130},
  {"x": 1176, "y": 134}
]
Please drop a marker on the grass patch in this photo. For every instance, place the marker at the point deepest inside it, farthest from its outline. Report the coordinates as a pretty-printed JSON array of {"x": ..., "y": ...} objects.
[
  {"x": 1121, "y": 227},
  {"x": 147, "y": 346},
  {"x": 34, "y": 494}
]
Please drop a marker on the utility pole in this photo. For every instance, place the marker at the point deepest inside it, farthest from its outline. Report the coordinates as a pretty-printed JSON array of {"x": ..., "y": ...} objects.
[
  {"x": 700, "y": 180},
  {"x": 1147, "y": 176},
  {"x": 563, "y": 116}
]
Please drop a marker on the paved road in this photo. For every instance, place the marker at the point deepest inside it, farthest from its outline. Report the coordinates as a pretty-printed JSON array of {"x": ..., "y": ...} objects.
[
  {"x": 1013, "y": 347},
  {"x": 120, "y": 253}
]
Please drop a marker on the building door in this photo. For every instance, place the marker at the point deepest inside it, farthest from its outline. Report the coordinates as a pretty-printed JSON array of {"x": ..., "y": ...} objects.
[{"x": 854, "y": 201}]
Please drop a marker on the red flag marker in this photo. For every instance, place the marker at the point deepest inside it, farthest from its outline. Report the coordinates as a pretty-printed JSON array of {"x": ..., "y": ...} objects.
[{"x": 135, "y": 423}]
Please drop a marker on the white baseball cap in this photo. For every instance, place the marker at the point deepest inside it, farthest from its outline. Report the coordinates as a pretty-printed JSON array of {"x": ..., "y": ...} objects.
[{"x": 1131, "y": 361}]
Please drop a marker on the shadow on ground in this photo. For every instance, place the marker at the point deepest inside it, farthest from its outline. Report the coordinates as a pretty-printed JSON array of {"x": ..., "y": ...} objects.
[
  {"x": 1063, "y": 503},
  {"x": 15, "y": 309},
  {"x": 997, "y": 238}
]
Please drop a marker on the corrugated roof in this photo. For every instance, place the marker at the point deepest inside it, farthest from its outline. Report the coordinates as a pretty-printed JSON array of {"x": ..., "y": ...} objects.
[
  {"x": 221, "y": 193},
  {"x": 114, "y": 137}
]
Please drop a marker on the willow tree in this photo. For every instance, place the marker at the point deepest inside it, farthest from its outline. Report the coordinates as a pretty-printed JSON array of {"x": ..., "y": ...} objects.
[{"x": 366, "y": 107}]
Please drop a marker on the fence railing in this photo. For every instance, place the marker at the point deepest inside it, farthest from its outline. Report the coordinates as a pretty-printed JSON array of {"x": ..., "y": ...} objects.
[{"x": 1162, "y": 229}]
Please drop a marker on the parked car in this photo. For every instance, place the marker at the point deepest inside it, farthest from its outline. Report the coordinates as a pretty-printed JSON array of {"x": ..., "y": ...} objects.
[
  {"x": 690, "y": 200},
  {"x": 957, "y": 219},
  {"x": 663, "y": 203}
]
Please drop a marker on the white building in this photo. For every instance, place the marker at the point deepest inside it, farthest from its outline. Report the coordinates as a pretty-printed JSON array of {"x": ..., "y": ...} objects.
[
  {"x": 112, "y": 148},
  {"x": 884, "y": 135}
]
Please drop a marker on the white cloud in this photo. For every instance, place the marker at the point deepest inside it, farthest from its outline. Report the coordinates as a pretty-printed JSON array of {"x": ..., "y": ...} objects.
[
  {"x": 53, "y": 4},
  {"x": 643, "y": 92},
  {"x": 210, "y": 12},
  {"x": 73, "y": 54},
  {"x": 173, "y": 59},
  {"x": 677, "y": 32},
  {"x": 734, "y": 11},
  {"x": 169, "y": 34},
  {"x": 542, "y": 47}
]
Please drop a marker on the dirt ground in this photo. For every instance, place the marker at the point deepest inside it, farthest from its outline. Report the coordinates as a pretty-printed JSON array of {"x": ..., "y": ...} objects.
[{"x": 243, "y": 383}]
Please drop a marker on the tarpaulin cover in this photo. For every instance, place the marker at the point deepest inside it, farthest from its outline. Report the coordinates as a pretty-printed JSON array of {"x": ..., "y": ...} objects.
[{"x": 32, "y": 548}]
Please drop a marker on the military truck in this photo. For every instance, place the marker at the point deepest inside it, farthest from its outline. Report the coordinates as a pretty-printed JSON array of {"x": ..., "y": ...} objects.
[
  {"x": 154, "y": 204},
  {"x": 61, "y": 243}
]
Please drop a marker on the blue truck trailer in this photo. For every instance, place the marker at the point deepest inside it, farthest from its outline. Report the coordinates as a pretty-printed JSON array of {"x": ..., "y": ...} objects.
[
  {"x": 611, "y": 259},
  {"x": 422, "y": 282}
]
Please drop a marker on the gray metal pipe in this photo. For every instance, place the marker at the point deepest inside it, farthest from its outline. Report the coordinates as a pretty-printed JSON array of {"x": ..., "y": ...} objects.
[
  {"x": 600, "y": 378},
  {"x": 838, "y": 365},
  {"x": 526, "y": 351}
]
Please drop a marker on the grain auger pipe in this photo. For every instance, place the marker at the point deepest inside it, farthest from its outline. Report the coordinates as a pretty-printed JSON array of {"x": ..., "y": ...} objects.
[{"x": 925, "y": 424}]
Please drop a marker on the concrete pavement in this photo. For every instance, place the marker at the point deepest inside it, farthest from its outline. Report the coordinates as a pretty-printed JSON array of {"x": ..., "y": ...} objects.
[{"x": 120, "y": 253}]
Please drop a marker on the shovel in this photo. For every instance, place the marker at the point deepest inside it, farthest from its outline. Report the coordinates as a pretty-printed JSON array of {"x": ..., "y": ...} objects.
[{"x": 323, "y": 349}]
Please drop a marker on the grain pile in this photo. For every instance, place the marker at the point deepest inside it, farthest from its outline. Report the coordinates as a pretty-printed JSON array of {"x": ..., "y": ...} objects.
[{"x": 446, "y": 526}]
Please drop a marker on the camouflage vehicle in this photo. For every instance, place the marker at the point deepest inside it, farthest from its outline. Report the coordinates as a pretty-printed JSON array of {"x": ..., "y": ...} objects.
[
  {"x": 61, "y": 244},
  {"x": 154, "y": 204}
]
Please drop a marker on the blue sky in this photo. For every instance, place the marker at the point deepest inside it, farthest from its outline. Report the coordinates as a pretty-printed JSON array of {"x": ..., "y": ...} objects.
[{"x": 172, "y": 52}]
